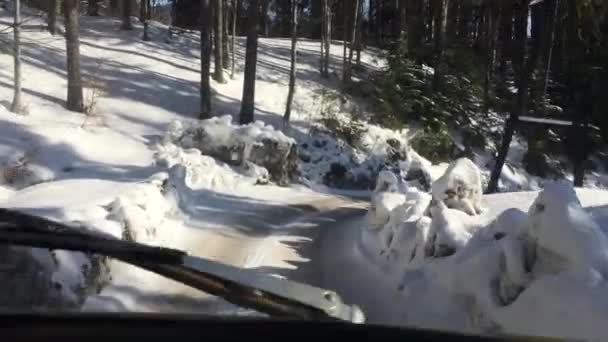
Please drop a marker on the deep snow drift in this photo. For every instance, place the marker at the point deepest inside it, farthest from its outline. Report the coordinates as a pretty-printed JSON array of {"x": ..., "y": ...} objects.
[{"x": 505, "y": 271}]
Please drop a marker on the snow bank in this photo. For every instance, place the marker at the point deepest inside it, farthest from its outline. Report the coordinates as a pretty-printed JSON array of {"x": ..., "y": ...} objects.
[
  {"x": 131, "y": 211},
  {"x": 326, "y": 158},
  {"x": 537, "y": 273},
  {"x": 239, "y": 145}
]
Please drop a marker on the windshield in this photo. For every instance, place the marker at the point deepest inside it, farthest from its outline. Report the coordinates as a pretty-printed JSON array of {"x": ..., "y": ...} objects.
[{"x": 438, "y": 164}]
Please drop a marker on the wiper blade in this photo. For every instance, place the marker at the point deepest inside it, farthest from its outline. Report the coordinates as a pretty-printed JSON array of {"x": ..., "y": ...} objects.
[{"x": 242, "y": 287}]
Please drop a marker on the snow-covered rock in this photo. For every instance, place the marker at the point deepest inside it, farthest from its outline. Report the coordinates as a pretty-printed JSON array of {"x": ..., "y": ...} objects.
[{"x": 460, "y": 187}]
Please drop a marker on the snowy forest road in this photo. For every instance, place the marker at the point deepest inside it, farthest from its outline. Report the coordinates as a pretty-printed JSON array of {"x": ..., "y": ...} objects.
[{"x": 285, "y": 240}]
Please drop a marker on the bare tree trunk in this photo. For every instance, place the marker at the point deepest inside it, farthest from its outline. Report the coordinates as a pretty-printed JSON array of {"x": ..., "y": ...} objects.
[
  {"x": 521, "y": 106},
  {"x": 235, "y": 12},
  {"x": 323, "y": 37},
  {"x": 225, "y": 36},
  {"x": 292, "y": 69},
  {"x": 54, "y": 8},
  {"x": 127, "y": 9},
  {"x": 415, "y": 29},
  {"x": 345, "y": 4},
  {"x": 264, "y": 17},
  {"x": 205, "y": 18},
  {"x": 579, "y": 100},
  {"x": 440, "y": 41},
  {"x": 327, "y": 23},
  {"x": 16, "y": 106},
  {"x": 115, "y": 7},
  {"x": 146, "y": 17},
  {"x": 348, "y": 66},
  {"x": 142, "y": 11},
  {"x": 218, "y": 74},
  {"x": 505, "y": 38},
  {"x": 172, "y": 21},
  {"x": 358, "y": 36},
  {"x": 251, "y": 56},
  {"x": 93, "y": 8},
  {"x": 72, "y": 38},
  {"x": 552, "y": 10}
]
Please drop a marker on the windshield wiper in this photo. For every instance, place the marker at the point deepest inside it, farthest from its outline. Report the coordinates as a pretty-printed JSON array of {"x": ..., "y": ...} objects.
[{"x": 245, "y": 288}]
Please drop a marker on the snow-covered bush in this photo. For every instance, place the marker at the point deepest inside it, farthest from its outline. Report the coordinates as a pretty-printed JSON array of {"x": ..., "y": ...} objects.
[
  {"x": 382, "y": 205},
  {"x": 236, "y": 145},
  {"x": 460, "y": 187},
  {"x": 450, "y": 230},
  {"x": 327, "y": 159},
  {"x": 563, "y": 234},
  {"x": 20, "y": 171}
]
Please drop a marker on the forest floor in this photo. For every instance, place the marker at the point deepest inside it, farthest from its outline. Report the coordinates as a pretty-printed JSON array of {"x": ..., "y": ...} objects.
[{"x": 101, "y": 171}]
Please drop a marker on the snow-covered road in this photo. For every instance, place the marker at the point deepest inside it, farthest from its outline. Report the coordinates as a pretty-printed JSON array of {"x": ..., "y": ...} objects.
[{"x": 282, "y": 240}]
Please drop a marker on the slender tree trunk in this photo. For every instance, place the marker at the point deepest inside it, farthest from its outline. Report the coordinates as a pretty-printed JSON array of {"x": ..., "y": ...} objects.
[
  {"x": 522, "y": 98},
  {"x": 505, "y": 38},
  {"x": 205, "y": 19},
  {"x": 323, "y": 37},
  {"x": 292, "y": 69},
  {"x": 264, "y": 17},
  {"x": 235, "y": 14},
  {"x": 218, "y": 74},
  {"x": 466, "y": 17},
  {"x": 93, "y": 8},
  {"x": 370, "y": 19},
  {"x": 115, "y": 7},
  {"x": 359, "y": 33},
  {"x": 53, "y": 9},
  {"x": 142, "y": 10},
  {"x": 578, "y": 99},
  {"x": 127, "y": 9},
  {"x": 552, "y": 10},
  {"x": 225, "y": 36},
  {"x": 172, "y": 21},
  {"x": 349, "y": 62},
  {"x": 415, "y": 29},
  {"x": 72, "y": 38},
  {"x": 453, "y": 12},
  {"x": 328, "y": 36},
  {"x": 345, "y": 4},
  {"x": 16, "y": 106},
  {"x": 440, "y": 42},
  {"x": 251, "y": 56},
  {"x": 146, "y": 17}
]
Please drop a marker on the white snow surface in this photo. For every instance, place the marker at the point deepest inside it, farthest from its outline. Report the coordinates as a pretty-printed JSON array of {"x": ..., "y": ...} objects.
[{"x": 531, "y": 269}]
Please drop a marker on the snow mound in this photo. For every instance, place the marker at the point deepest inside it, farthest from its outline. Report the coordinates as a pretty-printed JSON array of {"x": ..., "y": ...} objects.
[
  {"x": 237, "y": 145},
  {"x": 129, "y": 211},
  {"x": 460, "y": 187},
  {"x": 520, "y": 273}
]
